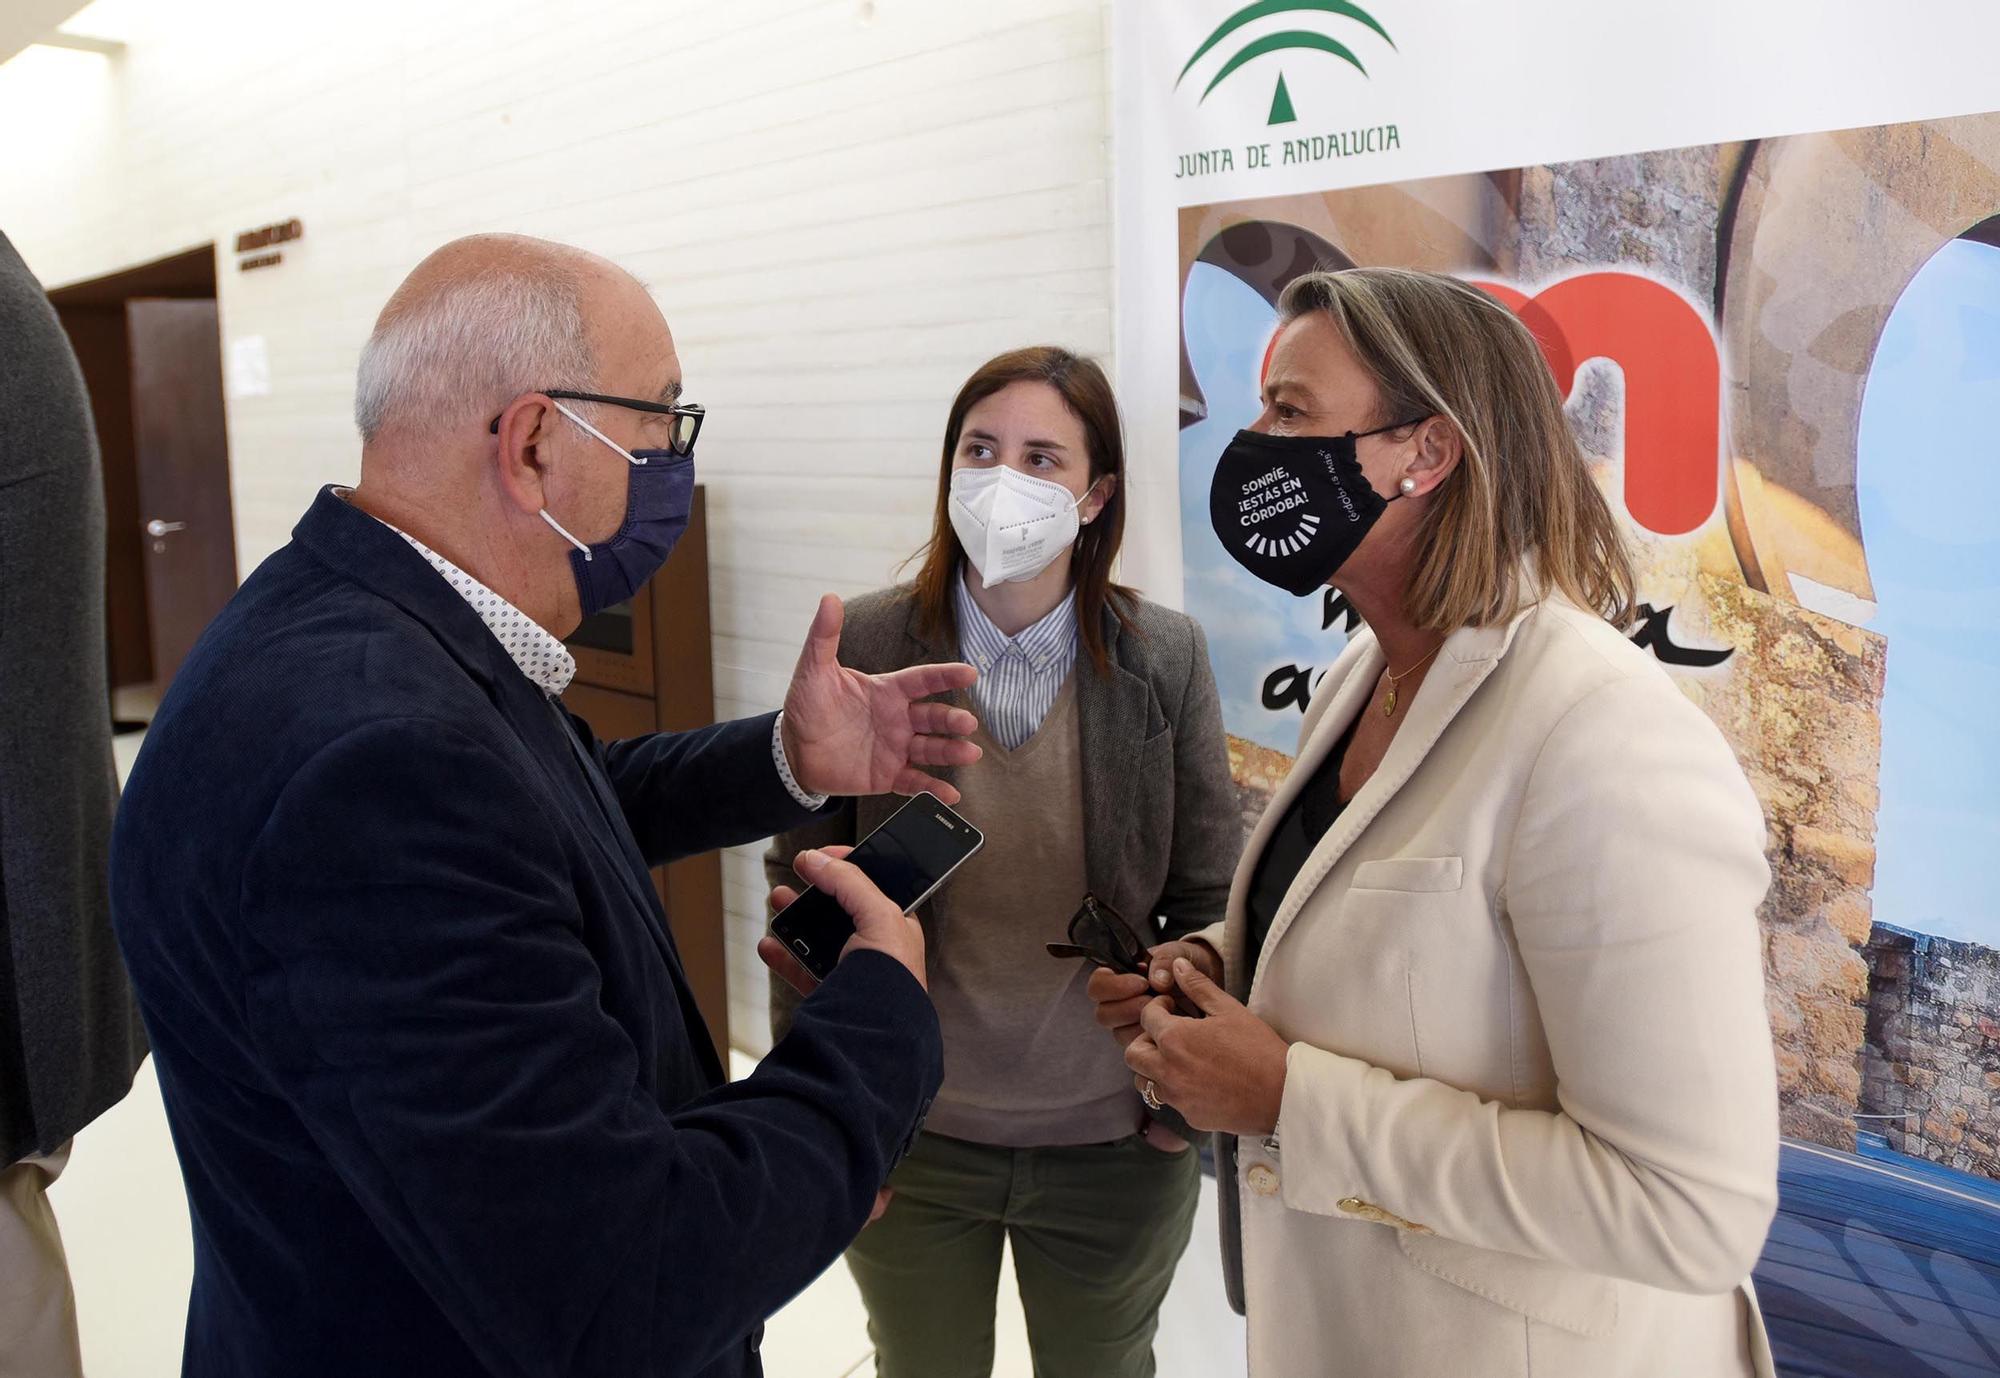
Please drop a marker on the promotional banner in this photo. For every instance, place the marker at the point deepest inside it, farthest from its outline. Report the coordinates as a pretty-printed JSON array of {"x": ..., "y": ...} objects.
[{"x": 1780, "y": 344}]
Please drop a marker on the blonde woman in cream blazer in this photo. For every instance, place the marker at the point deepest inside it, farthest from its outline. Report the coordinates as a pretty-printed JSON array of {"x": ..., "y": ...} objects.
[{"x": 1487, "y": 1053}]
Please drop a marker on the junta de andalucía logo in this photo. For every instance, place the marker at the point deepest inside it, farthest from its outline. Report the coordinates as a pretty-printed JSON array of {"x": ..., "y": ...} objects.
[{"x": 1291, "y": 40}]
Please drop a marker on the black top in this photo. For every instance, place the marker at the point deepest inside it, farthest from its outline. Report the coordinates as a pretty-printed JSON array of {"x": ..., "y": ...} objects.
[{"x": 1308, "y": 819}]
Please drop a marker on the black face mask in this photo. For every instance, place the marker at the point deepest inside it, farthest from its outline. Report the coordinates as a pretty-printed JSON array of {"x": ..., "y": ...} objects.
[{"x": 1292, "y": 508}]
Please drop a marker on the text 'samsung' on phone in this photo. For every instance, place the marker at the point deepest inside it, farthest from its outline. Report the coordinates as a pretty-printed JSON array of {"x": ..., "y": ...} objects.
[{"x": 908, "y": 858}]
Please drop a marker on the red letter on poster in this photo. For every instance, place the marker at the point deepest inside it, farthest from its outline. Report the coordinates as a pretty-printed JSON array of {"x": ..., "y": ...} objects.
[{"x": 1673, "y": 384}]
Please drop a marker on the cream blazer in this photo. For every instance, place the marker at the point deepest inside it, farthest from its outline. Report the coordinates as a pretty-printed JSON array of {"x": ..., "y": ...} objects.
[{"x": 1530, "y": 1115}]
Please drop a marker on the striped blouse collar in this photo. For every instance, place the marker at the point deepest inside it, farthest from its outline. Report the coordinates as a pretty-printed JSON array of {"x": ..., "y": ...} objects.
[{"x": 1049, "y": 643}]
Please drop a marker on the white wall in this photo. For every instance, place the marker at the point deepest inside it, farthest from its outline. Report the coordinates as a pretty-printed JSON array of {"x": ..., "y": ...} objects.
[{"x": 843, "y": 207}]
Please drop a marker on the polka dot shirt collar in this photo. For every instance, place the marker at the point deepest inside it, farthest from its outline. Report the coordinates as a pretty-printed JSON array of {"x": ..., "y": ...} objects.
[{"x": 544, "y": 660}]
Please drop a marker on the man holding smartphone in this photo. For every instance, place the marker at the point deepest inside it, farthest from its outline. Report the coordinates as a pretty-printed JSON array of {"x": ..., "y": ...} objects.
[
  {"x": 908, "y": 858},
  {"x": 440, "y": 1091}
]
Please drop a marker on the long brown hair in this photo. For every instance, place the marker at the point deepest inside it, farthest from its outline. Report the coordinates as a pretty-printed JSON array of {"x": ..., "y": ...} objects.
[
  {"x": 1087, "y": 393},
  {"x": 1522, "y": 499}
]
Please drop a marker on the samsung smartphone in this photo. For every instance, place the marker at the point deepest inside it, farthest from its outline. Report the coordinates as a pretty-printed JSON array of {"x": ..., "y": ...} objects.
[{"x": 908, "y": 858}]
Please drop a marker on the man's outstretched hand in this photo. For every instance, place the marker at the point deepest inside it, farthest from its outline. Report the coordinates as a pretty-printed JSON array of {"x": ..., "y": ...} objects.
[{"x": 847, "y": 733}]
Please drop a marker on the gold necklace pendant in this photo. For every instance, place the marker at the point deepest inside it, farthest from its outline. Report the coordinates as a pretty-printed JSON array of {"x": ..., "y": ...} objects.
[{"x": 1395, "y": 680}]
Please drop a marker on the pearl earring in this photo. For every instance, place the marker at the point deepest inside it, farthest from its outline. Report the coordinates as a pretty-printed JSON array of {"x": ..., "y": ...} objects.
[{"x": 1409, "y": 486}]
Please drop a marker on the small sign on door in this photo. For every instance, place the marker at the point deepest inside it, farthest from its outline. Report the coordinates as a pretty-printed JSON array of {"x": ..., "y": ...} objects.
[{"x": 249, "y": 367}]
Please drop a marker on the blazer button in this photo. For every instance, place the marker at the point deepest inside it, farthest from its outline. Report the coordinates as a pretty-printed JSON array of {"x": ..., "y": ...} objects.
[{"x": 1263, "y": 1180}]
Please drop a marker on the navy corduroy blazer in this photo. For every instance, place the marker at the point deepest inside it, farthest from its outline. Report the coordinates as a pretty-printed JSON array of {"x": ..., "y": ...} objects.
[{"x": 438, "y": 1085}]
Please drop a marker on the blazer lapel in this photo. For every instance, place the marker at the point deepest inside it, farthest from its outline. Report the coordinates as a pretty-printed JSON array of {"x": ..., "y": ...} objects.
[
  {"x": 604, "y": 822},
  {"x": 554, "y": 745},
  {"x": 639, "y": 885},
  {"x": 1468, "y": 656},
  {"x": 1113, "y": 714}
]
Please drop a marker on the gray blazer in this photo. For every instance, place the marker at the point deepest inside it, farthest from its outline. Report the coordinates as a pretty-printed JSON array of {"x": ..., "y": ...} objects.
[
  {"x": 69, "y": 1036},
  {"x": 1163, "y": 831}
]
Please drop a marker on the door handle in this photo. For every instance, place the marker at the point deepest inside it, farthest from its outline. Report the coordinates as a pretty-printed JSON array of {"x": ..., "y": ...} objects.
[{"x": 157, "y": 528}]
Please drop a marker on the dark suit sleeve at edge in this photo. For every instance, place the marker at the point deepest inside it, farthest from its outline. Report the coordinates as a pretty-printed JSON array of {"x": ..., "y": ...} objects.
[
  {"x": 421, "y": 994},
  {"x": 685, "y": 793}
]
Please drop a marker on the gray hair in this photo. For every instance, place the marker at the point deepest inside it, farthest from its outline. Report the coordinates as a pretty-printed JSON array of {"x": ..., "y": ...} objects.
[{"x": 453, "y": 355}]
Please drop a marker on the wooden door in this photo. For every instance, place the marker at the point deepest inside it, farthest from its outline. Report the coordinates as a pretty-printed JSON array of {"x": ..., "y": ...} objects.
[
  {"x": 104, "y": 352},
  {"x": 185, "y": 520}
]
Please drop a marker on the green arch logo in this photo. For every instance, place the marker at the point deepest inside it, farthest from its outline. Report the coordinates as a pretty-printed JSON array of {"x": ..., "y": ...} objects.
[{"x": 1288, "y": 40}]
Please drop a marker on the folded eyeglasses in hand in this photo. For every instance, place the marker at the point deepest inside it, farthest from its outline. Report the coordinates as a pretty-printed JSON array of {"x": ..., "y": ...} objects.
[{"x": 1100, "y": 934}]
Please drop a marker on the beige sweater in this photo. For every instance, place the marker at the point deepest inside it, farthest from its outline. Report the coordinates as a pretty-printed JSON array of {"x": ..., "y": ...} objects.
[
  {"x": 1025, "y": 1063},
  {"x": 1161, "y": 831}
]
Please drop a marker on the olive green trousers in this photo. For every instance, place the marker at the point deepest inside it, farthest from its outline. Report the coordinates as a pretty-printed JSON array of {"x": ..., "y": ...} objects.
[{"x": 1096, "y": 1232}]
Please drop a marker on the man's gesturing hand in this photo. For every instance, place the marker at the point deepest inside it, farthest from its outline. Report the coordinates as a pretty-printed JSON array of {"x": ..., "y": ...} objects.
[
  {"x": 853, "y": 734},
  {"x": 878, "y": 923}
]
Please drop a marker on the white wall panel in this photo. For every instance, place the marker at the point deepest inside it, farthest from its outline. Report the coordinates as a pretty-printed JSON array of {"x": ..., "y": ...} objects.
[{"x": 843, "y": 207}]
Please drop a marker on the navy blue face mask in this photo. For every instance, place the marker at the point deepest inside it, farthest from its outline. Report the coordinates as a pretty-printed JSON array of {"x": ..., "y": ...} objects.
[{"x": 659, "y": 497}]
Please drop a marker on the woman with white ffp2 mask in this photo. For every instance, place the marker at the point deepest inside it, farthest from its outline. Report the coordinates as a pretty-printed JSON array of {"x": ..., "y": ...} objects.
[
  {"x": 1014, "y": 525},
  {"x": 1105, "y": 771}
]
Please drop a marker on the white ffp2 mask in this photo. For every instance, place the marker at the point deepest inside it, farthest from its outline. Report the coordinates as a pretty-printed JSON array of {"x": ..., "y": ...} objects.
[{"x": 1012, "y": 525}]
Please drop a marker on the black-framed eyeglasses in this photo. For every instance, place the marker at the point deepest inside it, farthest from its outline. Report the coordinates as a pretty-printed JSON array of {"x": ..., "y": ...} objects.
[
  {"x": 1100, "y": 934},
  {"x": 687, "y": 416}
]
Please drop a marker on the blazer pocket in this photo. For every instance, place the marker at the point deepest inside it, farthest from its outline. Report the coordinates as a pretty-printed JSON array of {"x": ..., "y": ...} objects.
[
  {"x": 1411, "y": 874},
  {"x": 1581, "y": 1303}
]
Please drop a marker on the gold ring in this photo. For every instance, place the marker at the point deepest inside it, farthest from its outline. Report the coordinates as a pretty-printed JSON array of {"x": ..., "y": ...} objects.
[{"x": 1151, "y": 1097}]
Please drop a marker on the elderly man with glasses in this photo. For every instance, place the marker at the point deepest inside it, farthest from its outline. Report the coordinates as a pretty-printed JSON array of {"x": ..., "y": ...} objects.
[{"x": 439, "y": 1088}]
